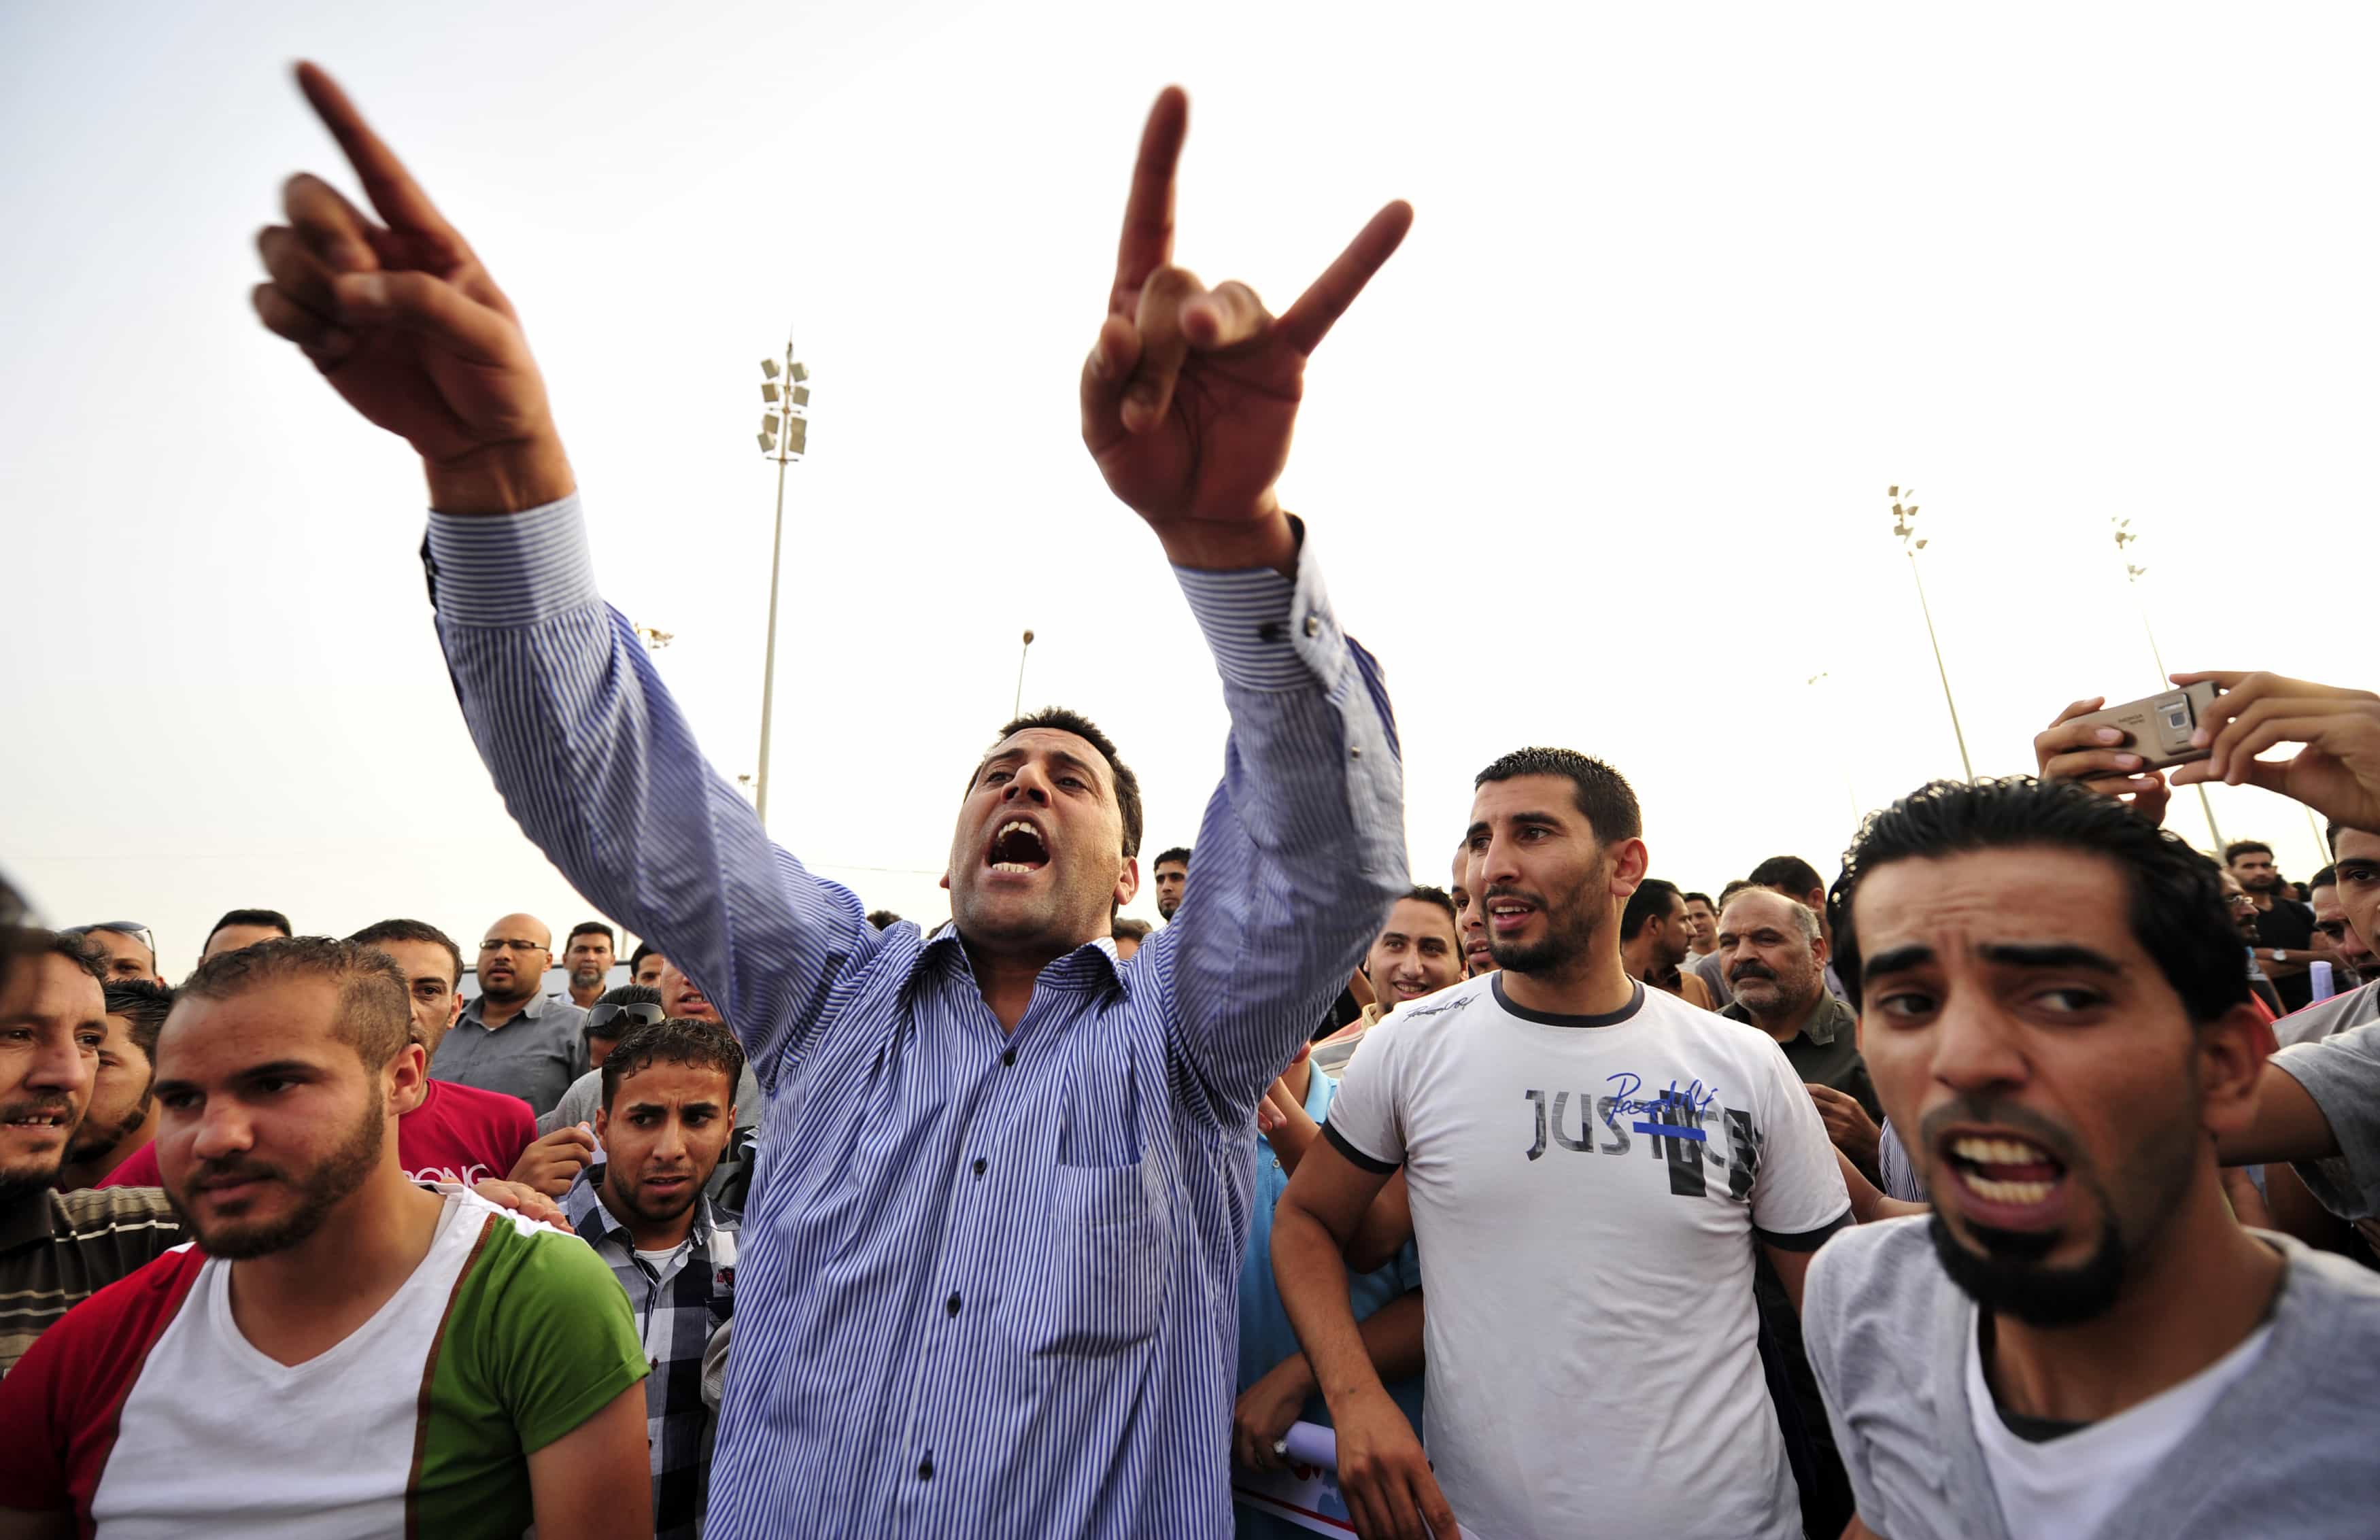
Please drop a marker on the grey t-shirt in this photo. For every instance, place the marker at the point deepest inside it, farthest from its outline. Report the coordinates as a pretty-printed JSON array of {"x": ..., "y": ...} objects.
[
  {"x": 2342, "y": 1074},
  {"x": 2327, "y": 1018},
  {"x": 2286, "y": 1453},
  {"x": 534, "y": 1056}
]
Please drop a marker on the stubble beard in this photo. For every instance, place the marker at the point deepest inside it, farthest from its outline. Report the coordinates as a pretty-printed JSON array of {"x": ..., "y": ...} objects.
[{"x": 328, "y": 1185}]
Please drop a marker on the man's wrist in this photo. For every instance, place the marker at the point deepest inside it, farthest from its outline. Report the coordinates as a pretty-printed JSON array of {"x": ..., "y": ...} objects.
[
  {"x": 501, "y": 478},
  {"x": 1207, "y": 545},
  {"x": 1295, "y": 1373}
]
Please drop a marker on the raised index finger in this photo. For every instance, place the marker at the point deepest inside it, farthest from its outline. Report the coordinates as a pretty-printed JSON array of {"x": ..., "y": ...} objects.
[
  {"x": 390, "y": 187},
  {"x": 1147, "y": 240}
]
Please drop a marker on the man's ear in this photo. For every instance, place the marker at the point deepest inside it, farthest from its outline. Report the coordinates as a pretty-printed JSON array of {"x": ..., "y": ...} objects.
[
  {"x": 454, "y": 1008},
  {"x": 1630, "y": 861},
  {"x": 407, "y": 1079},
  {"x": 603, "y": 1120},
  {"x": 1820, "y": 950},
  {"x": 1127, "y": 881},
  {"x": 2230, "y": 1057}
]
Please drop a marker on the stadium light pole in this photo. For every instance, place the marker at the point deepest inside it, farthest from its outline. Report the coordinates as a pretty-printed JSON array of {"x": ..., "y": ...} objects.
[
  {"x": 2134, "y": 573},
  {"x": 784, "y": 438},
  {"x": 1017, "y": 710},
  {"x": 1904, "y": 525}
]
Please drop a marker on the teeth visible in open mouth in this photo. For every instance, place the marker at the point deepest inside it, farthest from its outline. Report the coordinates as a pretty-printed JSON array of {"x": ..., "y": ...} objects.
[
  {"x": 37, "y": 1122},
  {"x": 2002, "y": 1152},
  {"x": 1508, "y": 909},
  {"x": 2005, "y": 1192},
  {"x": 1018, "y": 839}
]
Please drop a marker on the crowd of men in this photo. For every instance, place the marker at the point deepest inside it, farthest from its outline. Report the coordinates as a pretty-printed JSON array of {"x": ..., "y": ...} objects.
[{"x": 1969, "y": 1192}]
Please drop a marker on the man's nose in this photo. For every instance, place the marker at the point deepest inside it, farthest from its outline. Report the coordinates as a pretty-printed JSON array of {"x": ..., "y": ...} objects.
[
  {"x": 62, "y": 1068},
  {"x": 224, "y": 1129}
]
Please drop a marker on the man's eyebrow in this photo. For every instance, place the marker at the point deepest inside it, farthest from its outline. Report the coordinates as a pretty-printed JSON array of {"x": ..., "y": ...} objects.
[
  {"x": 1074, "y": 763},
  {"x": 2053, "y": 955},
  {"x": 1393, "y": 936},
  {"x": 1899, "y": 960}
]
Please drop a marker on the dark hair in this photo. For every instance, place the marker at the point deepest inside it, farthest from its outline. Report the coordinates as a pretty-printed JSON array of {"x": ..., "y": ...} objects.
[
  {"x": 884, "y": 920},
  {"x": 1734, "y": 886},
  {"x": 2327, "y": 877},
  {"x": 1703, "y": 898},
  {"x": 2177, "y": 908},
  {"x": 411, "y": 930},
  {"x": 679, "y": 1041},
  {"x": 590, "y": 927},
  {"x": 644, "y": 949},
  {"x": 1137, "y": 929},
  {"x": 1790, "y": 872},
  {"x": 1422, "y": 892},
  {"x": 271, "y": 918},
  {"x": 1176, "y": 853},
  {"x": 1058, "y": 719},
  {"x": 626, "y": 994},
  {"x": 375, "y": 1008},
  {"x": 2237, "y": 848},
  {"x": 33, "y": 941},
  {"x": 1650, "y": 902},
  {"x": 143, "y": 1002},
  {"x": 1603, "y": 793}
]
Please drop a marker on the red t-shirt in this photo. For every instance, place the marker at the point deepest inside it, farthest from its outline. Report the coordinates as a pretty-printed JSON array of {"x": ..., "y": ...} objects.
[{"x": 458, "y": 1134}]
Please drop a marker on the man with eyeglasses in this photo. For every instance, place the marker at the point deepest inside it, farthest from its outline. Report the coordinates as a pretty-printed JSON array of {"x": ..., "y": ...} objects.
[
  {"x": 513, "y": 1038},
  {"x": 125, "y": 948}
]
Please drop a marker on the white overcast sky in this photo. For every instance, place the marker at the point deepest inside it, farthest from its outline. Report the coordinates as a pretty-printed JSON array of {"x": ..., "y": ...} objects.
[{"x": 1598, "y": 461}]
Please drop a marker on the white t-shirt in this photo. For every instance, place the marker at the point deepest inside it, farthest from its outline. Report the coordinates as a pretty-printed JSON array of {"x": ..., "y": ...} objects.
[
  {"x": 2064, "y": 1488},
  {"x": 1593, "y": 1345}
]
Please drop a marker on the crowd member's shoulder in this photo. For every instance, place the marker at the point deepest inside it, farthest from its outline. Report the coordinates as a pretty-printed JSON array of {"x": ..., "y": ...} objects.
[
  {"x": 92, "y": 1211},
  {"x": 1432, "y": 1014},
  {"x": 1872, "y": 1279},
  {"x": 92, "y": 1352}
]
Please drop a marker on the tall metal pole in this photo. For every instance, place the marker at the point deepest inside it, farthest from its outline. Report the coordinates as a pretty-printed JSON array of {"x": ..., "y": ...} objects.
[
  {"x": 783, "y": 434},
  {"x": 2134, "y": 573},
  {"x": 1017, "y": 707},
  {"x": 1956, "y": 731}
]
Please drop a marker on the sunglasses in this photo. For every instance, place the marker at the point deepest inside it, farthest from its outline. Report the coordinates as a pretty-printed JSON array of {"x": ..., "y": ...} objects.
[
  {"x": 122, "y": 927},
  {"x": 640, "y": 1014}
]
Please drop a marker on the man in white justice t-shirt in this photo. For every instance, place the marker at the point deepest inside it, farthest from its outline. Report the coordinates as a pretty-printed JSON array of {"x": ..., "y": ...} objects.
[
  {"x": 2080, "y": 1340},
  {"x": 1588, "y": 1165}
]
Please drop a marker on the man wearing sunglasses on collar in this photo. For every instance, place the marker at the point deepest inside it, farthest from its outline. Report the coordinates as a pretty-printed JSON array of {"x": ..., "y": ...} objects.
[
  {"x": 571, "y": 1123},
  {"x": 126, "y": 948}
]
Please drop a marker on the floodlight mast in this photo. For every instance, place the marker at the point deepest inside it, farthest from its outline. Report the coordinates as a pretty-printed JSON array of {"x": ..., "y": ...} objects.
[
  {"x": 784, "y": 438},
  {"x": 2134, "y": 573},
  {"x": 1904, "y": 527}
]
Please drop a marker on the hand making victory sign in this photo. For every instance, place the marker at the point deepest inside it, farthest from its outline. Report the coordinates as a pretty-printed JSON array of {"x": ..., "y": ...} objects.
[{"x": 1190, "y": 394}]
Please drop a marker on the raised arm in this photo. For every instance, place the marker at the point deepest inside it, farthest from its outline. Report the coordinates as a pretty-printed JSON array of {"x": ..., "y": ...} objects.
[
  {"x": 1188, "y": 399},
  {"x": 593, "y": 756}
]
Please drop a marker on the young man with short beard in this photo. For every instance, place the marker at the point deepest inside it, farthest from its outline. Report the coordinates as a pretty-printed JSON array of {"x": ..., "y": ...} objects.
[
  {"x": 2079, "y": 1340},
  {"x": 342, "y": 1352},
  {"x": 1589, "y": 1164},
  {"x": 123, "y": 1115},
  {"x": 667, "y": 1108}
]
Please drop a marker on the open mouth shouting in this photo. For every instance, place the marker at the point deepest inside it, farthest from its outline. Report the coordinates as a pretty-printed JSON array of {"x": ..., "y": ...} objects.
[
  {"x": 2004, "y": 1181},
  {"x": 1018, "y": 848},
  {"x": 41, "y": 1121}
]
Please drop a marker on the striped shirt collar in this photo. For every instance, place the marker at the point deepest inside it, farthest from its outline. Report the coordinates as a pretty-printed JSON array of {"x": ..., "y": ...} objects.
[{"x": 1089, "y": 968}]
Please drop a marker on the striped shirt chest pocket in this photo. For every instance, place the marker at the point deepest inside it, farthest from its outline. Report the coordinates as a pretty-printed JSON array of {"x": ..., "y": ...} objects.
[{"x": 1100, "y": 1282}]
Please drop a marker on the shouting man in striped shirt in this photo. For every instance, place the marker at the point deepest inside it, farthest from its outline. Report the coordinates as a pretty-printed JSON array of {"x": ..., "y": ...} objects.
[{"x": 991, "y": 1254}]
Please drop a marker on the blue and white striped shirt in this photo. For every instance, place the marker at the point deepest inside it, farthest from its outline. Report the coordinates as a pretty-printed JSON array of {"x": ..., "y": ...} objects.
[{"x": 990, "y": 1279}]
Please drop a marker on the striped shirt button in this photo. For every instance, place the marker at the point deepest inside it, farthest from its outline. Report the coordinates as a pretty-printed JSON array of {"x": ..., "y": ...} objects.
[
  {"x": 925, "y": 1467},
  {"x": 1008, "y": 1058},
  {"x": 979, "y": 1163},
  {"x": 951, "y": 1305}
]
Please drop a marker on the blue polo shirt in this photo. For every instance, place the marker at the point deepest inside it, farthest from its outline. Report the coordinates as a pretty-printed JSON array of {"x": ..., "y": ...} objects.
[{"x": 1265, "y": 1337}]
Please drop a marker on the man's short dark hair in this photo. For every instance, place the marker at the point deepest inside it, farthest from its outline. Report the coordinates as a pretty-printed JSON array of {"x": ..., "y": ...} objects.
[
  {"x": 1176, "y": 853},
  {"x": 1122, "y": 929},
  {"x": 1422, "y": 892},
  {"x": 592, "y": 927},
  {"x": 882, "y": 919},
  {"x": 1703, "y": 898},
  {"x": 1734, "y": 886},
  {"x": 375, "y": 1005},
  {"x": 271, "y": 920},
  {"x": 618, "y": 1026},
  {"x": 2327, "y": 877},
  {"x": 33, "y": 941},
  {"x": 644, "y": 949},
  {"x": 2177, "y": 908},
  {"x": 2237, "y": 848},
  {"x": 680, "y": 1040},
  {"x": 142, "y": 1002},
  {"x": 1602, "y": 794},
  {"x": 1058, "y": 719},
  {"x": 1650, "y": 902},
  {"x": 421, "y": 931},
  {"x": 1790, "y": 874}
]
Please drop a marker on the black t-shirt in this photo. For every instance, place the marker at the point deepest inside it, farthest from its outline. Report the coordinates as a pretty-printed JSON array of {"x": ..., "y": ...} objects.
[{"x": 2289, "y": 925}]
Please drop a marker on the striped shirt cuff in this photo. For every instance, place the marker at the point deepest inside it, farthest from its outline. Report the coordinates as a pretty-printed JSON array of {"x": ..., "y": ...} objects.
[
  {"x": 510, "y": 570},
  {"x": 1268, "y": 633}
]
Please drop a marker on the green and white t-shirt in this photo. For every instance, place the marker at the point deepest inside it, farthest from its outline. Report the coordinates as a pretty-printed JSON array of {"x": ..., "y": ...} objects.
[{"x": 150, "y": 1413}]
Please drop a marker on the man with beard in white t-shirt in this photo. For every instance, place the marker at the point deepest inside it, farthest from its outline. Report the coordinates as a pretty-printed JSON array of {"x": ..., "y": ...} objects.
[{"x": 1588, "y": 1165}]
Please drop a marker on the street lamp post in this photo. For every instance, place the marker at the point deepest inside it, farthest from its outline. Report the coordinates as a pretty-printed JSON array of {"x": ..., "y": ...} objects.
[
  {"x": 784, "y": 438},
  {"x": 1904, "y": 525},
  {"x": 2134, "y": 573},
  {"x": 1017, "y": 710}
]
